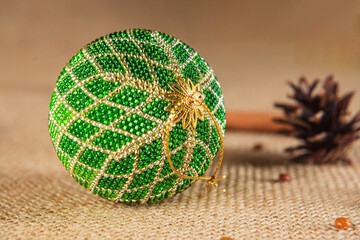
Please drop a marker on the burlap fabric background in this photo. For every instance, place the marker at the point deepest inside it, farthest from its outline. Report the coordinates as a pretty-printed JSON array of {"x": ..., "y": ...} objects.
[{"x": 253, "y": 48}]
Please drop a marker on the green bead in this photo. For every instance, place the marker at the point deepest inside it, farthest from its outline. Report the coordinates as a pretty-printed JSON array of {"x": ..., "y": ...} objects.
[{"x": 107, "y": 116}]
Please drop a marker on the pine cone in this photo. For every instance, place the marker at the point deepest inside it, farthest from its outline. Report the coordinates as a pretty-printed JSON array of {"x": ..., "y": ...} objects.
[{"x": 321, "y": 121}]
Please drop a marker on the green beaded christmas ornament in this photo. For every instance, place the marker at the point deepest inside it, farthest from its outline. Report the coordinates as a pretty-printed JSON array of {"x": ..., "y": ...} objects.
[{"x": 135, "y": 116}]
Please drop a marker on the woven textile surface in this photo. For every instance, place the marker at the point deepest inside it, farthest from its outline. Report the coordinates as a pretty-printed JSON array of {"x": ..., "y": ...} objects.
[{"x": 39, "y": 199}]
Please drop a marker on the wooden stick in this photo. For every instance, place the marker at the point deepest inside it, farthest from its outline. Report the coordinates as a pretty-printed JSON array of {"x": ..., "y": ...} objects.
[{"x": 253, "y": 121}]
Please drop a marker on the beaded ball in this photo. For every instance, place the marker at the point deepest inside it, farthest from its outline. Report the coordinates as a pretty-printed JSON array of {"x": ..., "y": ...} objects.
[{"x": 107, "y": 116}]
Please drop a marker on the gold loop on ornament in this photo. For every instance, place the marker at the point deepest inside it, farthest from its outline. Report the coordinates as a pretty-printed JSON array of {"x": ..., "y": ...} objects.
[{"x": 187, "y": 105}]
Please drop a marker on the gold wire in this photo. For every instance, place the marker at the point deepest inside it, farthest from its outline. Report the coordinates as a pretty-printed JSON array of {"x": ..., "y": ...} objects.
[{"x": 212, "y": 179}]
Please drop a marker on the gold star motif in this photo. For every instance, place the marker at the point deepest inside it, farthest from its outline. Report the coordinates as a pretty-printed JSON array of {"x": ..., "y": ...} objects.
[{"x": 186, "y": 102}]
